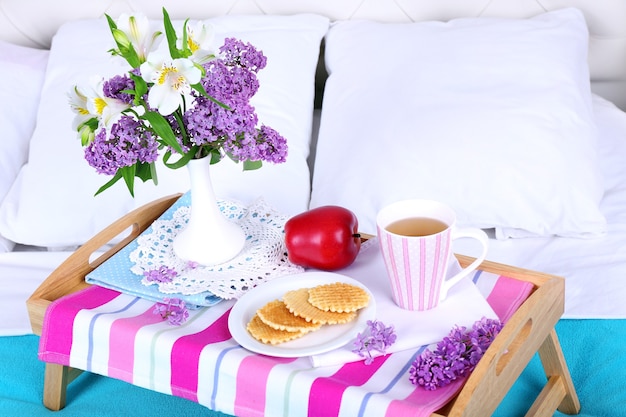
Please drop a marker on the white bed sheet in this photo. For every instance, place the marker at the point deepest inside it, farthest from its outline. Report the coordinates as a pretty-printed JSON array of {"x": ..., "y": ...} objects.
[{"x": 594, "y": 269}]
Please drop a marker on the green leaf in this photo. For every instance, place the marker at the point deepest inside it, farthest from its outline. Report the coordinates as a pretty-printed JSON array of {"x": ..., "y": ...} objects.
[
  {"x": 145, "y": 171},
  {"x": 182, "y": 161},
  {"x": 141, "y": 88},
  {"x": 247, "y": 164},
  {"x": 215, "y": 156},
  {"x": 128, "y": 173},
  {"x": 116, "y": 178},
  {"x": 251, "y": 165},
  {"x": 142, "y": 171},
  {"x": 162, "y": 128},
  {"x": 170, "y": 33},
  {"x": 112, "y": 24},
  {"x": 153, "y": 174},
  {"x": 93, "y": 123}
]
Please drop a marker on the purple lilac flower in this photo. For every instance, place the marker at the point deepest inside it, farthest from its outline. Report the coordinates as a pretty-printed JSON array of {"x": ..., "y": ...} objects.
[
  {"x": 455, "y": 356},
  {"x": 377, "y": 337},
  {"x": 235, "y": 52},
  {"x": 229, "y": 84},
  {"x": 231, "y": 79},
  {"x": 172, "y": 309},
  {"x": 114, "y": 88},
  {"x": 276, "y": 145},
  {"x": 161, "y": 274},
  {"x": 484, "y": 331},
  {"x": 207, "y": 122},
  {"x": 128, "y": 143}
]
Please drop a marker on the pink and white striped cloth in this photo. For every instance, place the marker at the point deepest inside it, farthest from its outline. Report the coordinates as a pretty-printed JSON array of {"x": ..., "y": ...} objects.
[{"x": 117, "y": 335}]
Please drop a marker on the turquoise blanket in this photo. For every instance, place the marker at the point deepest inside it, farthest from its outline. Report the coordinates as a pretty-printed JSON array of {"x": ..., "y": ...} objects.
[{"x": 594, "y": 349}]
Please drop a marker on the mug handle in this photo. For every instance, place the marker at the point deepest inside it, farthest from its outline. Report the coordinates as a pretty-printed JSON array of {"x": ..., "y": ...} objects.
[{"x": 472, "y": 233}]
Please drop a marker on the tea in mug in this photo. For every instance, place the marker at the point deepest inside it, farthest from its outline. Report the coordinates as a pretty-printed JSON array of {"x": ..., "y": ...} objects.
[{"x": 416, "y": 226}]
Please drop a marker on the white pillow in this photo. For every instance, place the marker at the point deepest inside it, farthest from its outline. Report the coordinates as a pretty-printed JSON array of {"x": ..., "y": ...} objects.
[
  {"x": 492, "y": 116},
  {"x": 21, "y": 76},
  {"x": 54, "y": 204}
]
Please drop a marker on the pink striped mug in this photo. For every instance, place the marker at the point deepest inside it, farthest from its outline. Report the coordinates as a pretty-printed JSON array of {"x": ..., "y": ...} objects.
[{"x": 415, "y": 238}]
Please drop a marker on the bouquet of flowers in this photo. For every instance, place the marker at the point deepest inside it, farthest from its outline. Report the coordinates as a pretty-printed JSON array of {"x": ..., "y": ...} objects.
[{"x": 188, "y": 101}]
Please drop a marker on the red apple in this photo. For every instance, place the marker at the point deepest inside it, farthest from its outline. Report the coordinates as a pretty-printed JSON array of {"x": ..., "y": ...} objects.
[{"x": 325, "y": 238}]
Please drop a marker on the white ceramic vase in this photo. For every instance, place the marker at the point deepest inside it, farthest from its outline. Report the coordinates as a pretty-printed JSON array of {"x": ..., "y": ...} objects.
[{"x": 209, "y": 237}]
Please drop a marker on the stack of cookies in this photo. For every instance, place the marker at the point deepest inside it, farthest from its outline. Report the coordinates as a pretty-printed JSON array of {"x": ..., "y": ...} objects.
[{"x": 305, "y": 310}]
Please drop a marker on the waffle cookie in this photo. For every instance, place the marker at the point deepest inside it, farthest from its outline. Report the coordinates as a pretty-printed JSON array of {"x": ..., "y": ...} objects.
[
  {"x": 266, "y": 334},
  {"x": 297, "y": 302},
  {"x": 294, "y": 316},
  {"x": 338, "y": 297},
  {"x": 275, "y": 314}
]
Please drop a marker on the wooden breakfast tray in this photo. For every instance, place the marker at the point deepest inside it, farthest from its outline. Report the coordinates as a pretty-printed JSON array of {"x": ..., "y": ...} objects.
[{"x": 529, "y": 330}]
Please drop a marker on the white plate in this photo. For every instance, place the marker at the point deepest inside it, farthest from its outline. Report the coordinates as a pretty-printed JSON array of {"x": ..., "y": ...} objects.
[{"x": 327, "y": 338}]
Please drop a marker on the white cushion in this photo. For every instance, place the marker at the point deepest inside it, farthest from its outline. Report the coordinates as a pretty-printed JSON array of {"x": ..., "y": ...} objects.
[
  {"x": 492, "y": 116},
  {"x": 54, "y": 204},
  {"x": 21, "y": 76}
]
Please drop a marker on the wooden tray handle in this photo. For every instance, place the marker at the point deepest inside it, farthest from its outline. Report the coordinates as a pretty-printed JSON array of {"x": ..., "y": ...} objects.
[
  {"x": 69, "y": 277},
  {"x": 522, "y": 336}
]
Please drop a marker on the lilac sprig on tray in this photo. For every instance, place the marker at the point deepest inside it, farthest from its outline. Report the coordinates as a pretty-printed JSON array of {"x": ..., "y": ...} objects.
[
  {"x": 376, "y": 338},
  {"x": 455, "y": 356},
  {"x": 160, "y": 274},
  {"x": 173, "y": 310}
]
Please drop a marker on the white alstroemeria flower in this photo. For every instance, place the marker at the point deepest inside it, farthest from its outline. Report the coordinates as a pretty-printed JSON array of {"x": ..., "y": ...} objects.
[
  {"x": 107, "y": 110},
  {"x": 199, "y": 41},
  {"x": 172, "y": 80},
  {"x": 78, "y": 104},
  {"x": 137, "y": 29}
]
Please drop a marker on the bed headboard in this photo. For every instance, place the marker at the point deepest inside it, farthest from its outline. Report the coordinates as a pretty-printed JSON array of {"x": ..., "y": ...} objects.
[{"x": 34, "y": 22}]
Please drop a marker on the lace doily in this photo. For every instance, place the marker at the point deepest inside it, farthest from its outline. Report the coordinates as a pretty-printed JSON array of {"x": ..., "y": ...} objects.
[{"x": 263, "y": 257}]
